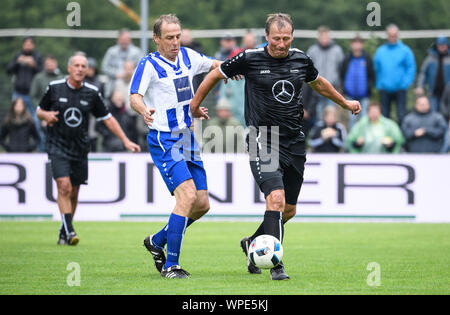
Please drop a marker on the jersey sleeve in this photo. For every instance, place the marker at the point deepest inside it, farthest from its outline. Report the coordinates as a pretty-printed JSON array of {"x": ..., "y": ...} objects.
[
  {"x": 141, "y": 78},
  {"x": 45, "y": 103},
  {"x": 311, "y": 72},
  {"x": 234, "y": 66},
  {"x": 199, "y": 62},
  {"x": 99, "y": 110}
]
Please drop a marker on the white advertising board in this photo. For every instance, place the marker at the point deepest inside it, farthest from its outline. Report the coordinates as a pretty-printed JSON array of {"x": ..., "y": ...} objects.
[{"x": 414, "y": 187}]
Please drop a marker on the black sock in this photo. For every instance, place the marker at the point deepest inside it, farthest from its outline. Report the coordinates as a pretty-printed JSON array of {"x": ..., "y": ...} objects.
[
  {"x": 273, "y": 224},
  {"x": 67, "y": 223},
  {"x": 62, "y": 231},
  {"x": 259, "y": 231}
]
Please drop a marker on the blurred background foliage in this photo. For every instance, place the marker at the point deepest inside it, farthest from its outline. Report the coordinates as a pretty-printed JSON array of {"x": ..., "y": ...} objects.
[{"x": 208, "y": 14}]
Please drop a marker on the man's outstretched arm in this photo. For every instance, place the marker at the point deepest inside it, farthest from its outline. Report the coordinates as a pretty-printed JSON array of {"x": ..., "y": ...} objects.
[
  {"x": 115, "y": 128},
  {"x": 324, "y": 88},
  {"x": 208, "y": 83}
]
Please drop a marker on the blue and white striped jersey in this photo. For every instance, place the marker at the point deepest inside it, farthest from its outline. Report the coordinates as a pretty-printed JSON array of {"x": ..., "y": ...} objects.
[{"x": 167, "y": 86}]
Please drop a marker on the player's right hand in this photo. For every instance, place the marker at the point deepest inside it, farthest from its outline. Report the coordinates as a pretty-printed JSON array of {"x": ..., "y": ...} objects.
[
  {"x": 201, "y": 112},
  {"x": 148, "y": 116},
  {"x": 354, "y": 107},
  {"x": 52, "y": 118}
]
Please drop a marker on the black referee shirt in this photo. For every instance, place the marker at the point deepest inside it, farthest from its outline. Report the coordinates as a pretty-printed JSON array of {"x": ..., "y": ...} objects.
[
  {"x": 68, "y": 138},
  {"x": 273, "y": 88}
]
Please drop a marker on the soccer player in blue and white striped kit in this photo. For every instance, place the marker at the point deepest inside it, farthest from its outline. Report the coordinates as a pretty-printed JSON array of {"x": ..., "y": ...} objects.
[{"x": 161, "y": 91}]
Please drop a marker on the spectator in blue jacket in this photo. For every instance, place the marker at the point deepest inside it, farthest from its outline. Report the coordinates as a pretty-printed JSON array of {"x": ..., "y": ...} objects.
[
  {"x": 395, "y": 70},
  {"x": 358, "y": 76},
  {"x": 435, "y": 72}
]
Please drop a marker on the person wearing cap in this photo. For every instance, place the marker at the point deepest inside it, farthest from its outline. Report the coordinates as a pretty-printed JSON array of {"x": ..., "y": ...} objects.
[
  {"x": 435, "y": 72},
  {"x": 227, "y": 45},
  {"x": 224, "y": 133},
  {"x": 358, "y": 77},
  {"x": 395, "y": 71}
]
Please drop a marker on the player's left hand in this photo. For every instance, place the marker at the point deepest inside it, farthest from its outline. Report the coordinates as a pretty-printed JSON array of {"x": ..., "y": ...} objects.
[
  {"x": 235, "y": 78},
  {"x": 133, "y": 147},
  {"x": 353, "y": 106}
]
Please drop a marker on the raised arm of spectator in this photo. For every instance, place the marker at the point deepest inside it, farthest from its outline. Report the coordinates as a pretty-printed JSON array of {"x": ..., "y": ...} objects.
[{"x": 208, "y": 83}]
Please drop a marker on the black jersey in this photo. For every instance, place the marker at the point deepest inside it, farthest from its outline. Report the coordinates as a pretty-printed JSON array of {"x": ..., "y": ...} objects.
[
  {"x": 273, "y": 89},
  {"x": 68, "y": 137}
]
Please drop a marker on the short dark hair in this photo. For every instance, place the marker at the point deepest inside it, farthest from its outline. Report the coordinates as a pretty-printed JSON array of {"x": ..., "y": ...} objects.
[
  {"x": 168, "y": 18},
  {"x": 281, "y": 19}
]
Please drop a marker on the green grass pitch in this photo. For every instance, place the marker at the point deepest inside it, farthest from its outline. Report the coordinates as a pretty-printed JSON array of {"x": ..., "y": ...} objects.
[{"x": 321, "y": 258}]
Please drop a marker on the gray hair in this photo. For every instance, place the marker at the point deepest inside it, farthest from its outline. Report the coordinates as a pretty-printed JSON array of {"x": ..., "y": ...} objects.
[
  {"x": 77, "y": 53},
  {"x": 169, "y": 19}
]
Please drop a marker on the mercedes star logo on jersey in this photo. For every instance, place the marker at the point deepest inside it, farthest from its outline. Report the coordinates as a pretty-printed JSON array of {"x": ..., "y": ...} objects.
[
  {"x": 283, "y": 91},
  {"x": 73, "y": 117}
]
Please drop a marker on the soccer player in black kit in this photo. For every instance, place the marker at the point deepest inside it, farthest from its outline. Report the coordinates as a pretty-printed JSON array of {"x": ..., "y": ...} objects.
[
  {"x": 274, "y": 114},
  {"x": 65, "y": 107}
]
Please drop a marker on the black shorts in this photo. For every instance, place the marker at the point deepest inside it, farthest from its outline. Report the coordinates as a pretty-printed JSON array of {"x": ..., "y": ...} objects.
[
  {"x": 279, "y": 169},
  {"x": 77, "y": 170}
]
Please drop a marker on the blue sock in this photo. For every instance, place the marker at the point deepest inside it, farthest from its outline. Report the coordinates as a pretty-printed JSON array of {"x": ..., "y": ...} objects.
[
  {"x": 175, "y": 233},
  {"x": 160, "y": 238}
]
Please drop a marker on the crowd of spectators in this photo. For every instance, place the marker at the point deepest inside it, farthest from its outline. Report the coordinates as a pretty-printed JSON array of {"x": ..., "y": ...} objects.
[{"x": 375, "y": 81}]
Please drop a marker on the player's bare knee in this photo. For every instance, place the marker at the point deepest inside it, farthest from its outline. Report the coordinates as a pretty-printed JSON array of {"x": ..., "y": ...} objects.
[
  {"x": 189, "y": 198},
  {"x": 276, "y": 201},
  {"x": 64, "y": 188}
]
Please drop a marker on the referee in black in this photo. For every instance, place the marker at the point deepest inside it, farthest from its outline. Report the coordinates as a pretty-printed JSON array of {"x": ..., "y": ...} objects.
[
  {"x": 65, "y": 107},
  {"x": 274, "y": 114}
]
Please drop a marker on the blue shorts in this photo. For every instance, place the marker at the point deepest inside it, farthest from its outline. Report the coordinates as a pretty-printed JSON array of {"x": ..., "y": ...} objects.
[{"x": 177, "y": 157}]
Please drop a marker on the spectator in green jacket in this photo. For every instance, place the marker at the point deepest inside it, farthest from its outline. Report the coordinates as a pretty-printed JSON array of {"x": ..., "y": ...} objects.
[{"x": 375, "y": 134}]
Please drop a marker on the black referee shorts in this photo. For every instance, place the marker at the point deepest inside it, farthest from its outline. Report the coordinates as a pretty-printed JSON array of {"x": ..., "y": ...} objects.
[
  {"x": 77, "y": 170},
  {"x": 280, "y": 169}
]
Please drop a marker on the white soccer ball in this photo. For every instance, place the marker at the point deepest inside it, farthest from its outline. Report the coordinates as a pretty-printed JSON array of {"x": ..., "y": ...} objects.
[{"x": 265, "y": 252}]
